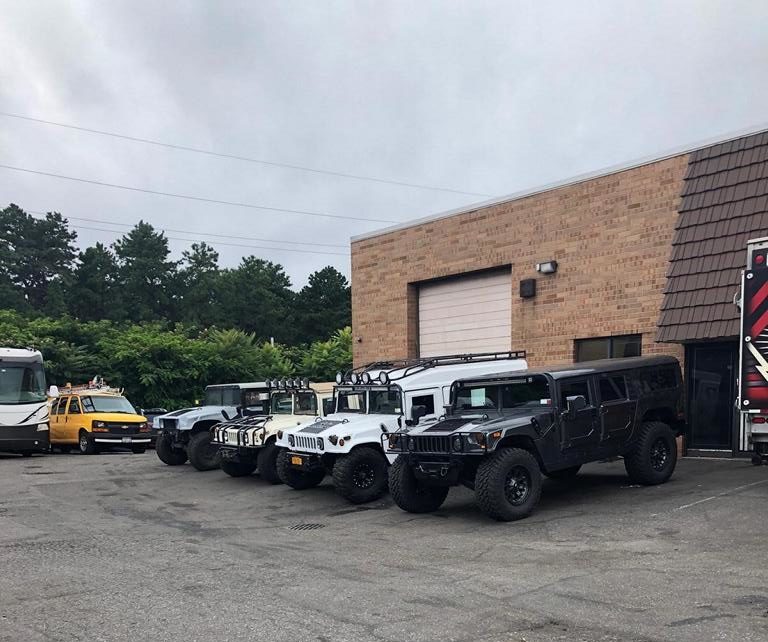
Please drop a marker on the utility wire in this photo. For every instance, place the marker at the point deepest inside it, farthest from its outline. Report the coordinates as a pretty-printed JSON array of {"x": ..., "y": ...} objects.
[
  {"x": 253, "y": 247},
  {"x": 194, "y": 198},
  {"x": 223, "y": 236},
  {"x": 207, "y": 152}
]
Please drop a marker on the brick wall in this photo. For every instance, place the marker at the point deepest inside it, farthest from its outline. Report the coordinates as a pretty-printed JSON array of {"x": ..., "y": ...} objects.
[{"x": 611, "y": 236}]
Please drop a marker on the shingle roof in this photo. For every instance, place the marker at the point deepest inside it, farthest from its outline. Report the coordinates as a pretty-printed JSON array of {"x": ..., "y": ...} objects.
[{"x": 724, "y": 204}]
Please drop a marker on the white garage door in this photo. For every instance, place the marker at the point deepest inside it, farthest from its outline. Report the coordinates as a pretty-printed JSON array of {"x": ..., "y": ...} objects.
[{"x": 466, "y": 314}]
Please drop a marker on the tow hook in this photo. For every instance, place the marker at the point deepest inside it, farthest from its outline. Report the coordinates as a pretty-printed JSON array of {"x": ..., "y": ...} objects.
[{"x": 443, "y": 471}]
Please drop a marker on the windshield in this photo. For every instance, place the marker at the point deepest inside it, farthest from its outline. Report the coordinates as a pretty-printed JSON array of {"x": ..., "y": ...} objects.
[
  {"x": 222, "y": 396},
  {"x": 22, "y": 383},
  {"x": 306, "y": 403},
  {"x": 373, "y": 401},
  {"x": 385, "y": 402},
  {"x": 529, "y": 392},
  {"x": 351, "y": 401},
  {"x": 281, "y": 403},
  {"x": 107, "y": 404}
]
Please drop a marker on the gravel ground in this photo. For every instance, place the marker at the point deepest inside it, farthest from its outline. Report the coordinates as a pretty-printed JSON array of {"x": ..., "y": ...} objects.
[{"x": 121, "y": 547}]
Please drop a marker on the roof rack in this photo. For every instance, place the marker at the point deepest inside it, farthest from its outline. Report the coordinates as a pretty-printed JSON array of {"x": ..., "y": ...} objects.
[{"x": 409, "y": 367}]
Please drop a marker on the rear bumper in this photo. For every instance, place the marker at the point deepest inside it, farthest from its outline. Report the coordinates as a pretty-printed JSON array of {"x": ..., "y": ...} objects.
[{"x": 23, "y": 438}]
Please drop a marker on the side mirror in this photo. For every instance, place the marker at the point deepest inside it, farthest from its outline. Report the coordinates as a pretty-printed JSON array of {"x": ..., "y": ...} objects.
[
  {"x": 447, "y": 410},
  {"x": 574, "y": 404},
  {"x": 417, "y": 412},
  {"x": 328, "y": 407},
  {"x": 53, "y": 392}
]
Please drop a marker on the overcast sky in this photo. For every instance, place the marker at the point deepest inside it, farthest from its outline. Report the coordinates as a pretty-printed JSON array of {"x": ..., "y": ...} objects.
[{"x": 483, "y": 97}]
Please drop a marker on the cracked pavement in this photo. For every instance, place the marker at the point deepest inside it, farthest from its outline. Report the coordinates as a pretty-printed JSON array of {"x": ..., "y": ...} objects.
[{"x": 121, "y": 547}]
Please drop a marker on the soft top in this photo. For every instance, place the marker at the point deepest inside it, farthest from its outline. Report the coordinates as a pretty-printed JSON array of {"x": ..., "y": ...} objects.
[{"x": 582, "y": 368}]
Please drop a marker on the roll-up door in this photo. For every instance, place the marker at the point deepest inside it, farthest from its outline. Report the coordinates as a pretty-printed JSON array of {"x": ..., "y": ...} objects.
[{"x": 466, "y": 314}]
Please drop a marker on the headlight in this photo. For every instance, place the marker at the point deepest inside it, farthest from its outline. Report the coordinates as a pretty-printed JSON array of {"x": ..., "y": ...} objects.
[
  {"x": 291, "y": 440},
  {"x": 476, "y": 440},
  {"x": 144, "y": 427},
  {"x": 394, "y": 442},
  {"x": 99, "y": 426},
  {"x": 320, "y": 444},
  {"x": 458, "y": 443}
]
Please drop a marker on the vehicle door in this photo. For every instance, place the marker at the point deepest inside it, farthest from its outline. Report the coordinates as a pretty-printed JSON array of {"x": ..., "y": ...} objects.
[
  {"x": 60, "y": 419},
  {"x": 53, "y": 422},
  {"x": 580, "y": 431},
  {"x": 617, "y": 412},
  {"x": 74, "y": 419}
]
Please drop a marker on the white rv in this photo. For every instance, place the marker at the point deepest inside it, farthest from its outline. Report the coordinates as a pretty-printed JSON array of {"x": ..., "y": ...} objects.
[{"x": 23, "y": 402}]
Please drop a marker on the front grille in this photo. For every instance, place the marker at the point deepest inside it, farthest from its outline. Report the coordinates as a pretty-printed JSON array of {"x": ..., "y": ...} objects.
[
  {"x": 169, "y": 424},
  {"x": 123, "y": 429},
  {"x": 432, "y": 444},
  {"x": 304, "y": 442}
]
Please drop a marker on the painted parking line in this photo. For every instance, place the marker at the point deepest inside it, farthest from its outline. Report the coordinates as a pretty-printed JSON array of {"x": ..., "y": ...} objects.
[{"x": 723, "y": 494}]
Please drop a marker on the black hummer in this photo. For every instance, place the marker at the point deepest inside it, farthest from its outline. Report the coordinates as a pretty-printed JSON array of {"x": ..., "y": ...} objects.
[{"x": 501, "y": 433}]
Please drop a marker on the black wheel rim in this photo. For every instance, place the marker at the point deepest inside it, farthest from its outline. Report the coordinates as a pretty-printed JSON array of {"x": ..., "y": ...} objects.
[
  {"x": 83, "y": 442},
  {"x": 517, "y": 487},
  {"x": 363, "y": 475},
  {"x": 659, "y": 454}
]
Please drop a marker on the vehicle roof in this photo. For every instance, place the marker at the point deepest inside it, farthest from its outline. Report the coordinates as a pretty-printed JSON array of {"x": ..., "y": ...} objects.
[
  {"x": 445, "y": 375},
  {"x": 21, "y": 354},
  {"x": 589, "y": 367},
  {"x": 243, "y": 386}
]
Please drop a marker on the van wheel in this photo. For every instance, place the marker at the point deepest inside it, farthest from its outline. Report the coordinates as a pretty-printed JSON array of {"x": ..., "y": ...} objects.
[
  {"x": 267, "y": 463},
  {"x": 565, "y": 473},
  {"x": 361, "y": 475},
  {"x": 409, "y": 493},
  {"x": 86, "y": 444},
  {"x": 296, "y": 478},
  {"x": 508, "y": 484},
  {"x": 653, "y": 458},
  {"x": 167, "y": 453},
  {"x": 238, "y": 468},
  {"x": 202, "y": 452}
]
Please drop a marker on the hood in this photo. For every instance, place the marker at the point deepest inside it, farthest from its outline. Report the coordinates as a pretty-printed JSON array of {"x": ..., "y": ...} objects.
[
  {"x": 469, "y": 423},
  {"x": 348, "y": 422}
]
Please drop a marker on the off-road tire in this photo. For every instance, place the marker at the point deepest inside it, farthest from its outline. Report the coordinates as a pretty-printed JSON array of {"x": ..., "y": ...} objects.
[
  {"x": 138, "y": 450},
  {"x": 238, "y": 468},
  {"x": 267, "y": 463},
  {"x": 653, "y": 458},
  {"x": 86, "y": 444},
  {"x": 409, "y": 493},
  {"x": 296, "y": 478},
  {"x": 565, "y": 473},
  {"x": 203, "y": 455},
  {"x": 167, "y": 453},
  {"x": 361, "y": 475},
  {"x": 501, "y": 477}
]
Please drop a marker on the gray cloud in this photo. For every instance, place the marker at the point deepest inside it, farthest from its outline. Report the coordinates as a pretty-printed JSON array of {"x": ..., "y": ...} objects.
[{"x": 481, "y": 96}]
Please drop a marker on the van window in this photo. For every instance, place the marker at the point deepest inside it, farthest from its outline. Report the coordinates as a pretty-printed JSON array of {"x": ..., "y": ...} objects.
[
  {"x": 612, "y": 388},
  {"x": 62, "y": 409},
  {"x": 74, "y": 406}
]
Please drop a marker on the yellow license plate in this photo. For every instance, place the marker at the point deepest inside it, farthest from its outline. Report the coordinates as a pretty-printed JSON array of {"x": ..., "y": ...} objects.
[{"x": 297, "y": 461}]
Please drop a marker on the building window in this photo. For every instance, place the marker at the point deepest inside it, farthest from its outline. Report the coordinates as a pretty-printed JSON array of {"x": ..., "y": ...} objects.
[{"x": 627, "y": 345}]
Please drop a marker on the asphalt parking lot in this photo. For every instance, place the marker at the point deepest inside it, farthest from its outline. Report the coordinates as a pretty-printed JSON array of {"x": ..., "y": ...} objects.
[{"x": 122, "y": 547}]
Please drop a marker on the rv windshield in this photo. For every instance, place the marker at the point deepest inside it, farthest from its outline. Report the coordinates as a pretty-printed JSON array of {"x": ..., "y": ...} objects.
[
  {"x": 215, "y": 396},
  {"x": 528, "y": 392},
  {"x": 22, "y": 383}
]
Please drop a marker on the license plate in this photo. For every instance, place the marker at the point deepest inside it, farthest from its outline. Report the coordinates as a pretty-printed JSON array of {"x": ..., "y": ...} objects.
[
  {"x": 297, "y": 461},
  {"x": 127, "y": 440}
]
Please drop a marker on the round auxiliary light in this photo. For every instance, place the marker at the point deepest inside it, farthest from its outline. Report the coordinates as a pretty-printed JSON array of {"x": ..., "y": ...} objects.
[
  {"x": 339, "y": 377},
  {"x": 305, "y": 382},
  {"x": 290, "y": 383},
  {"x": 354, "y": 378},
  {"x": 384, "y": 377},
  {"x": 365, "y": 378}
]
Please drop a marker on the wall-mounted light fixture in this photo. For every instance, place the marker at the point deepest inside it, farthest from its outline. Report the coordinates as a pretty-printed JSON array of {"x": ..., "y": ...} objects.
[{"x": 547, "y": 267}]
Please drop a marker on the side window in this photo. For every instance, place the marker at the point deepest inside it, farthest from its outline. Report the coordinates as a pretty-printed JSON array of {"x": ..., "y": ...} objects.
[
  {"x": 612, "y": 388},
  {"x": 74, "y": 406},
  {"x": 428, "y": 401},
  {"x": 55, "y": 406},
  {"x": 62, "y": 409},
  {"x": 573, "y": 388}
]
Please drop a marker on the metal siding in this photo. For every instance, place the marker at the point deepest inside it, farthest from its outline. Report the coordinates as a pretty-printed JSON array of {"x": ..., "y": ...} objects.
[{"x": 466, "y": 314}]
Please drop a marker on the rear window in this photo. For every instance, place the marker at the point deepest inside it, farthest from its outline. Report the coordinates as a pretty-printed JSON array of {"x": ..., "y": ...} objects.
[
  {"x": 653, "y": 379},
  {"x": 612, "y": 388}
]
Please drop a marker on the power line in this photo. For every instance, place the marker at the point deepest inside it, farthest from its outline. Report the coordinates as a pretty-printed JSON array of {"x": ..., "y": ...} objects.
[
  {"x": 208, "y": 152},
  {"x": 223, "y": 236},
  {"x": 194, "y": 198},
  {"x": 253, "y": 247}
]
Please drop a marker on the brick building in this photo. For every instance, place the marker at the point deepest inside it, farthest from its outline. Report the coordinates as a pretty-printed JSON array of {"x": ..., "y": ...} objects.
[{"x": 579, "y": 270}]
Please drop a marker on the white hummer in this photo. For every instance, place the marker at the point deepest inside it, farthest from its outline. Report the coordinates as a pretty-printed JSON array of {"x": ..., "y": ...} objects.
[
  {"x": 186, "y": 433},
  {"x": 368, "y": 402},
  {"x": 247, "y": 442}
]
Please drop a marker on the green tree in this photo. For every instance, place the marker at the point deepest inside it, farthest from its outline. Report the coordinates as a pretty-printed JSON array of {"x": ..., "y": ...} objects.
[
  {"x": 323, "y": 305},
  {"x": 145, "y": 275},
  {"x": 91, "y": 291},
  {"x": 199, "y": 279},
  {"x": 34, "y": 252},
  {"x": 323, "y": 359}
]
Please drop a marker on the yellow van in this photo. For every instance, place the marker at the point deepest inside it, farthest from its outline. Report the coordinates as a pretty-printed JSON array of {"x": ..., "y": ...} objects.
[{"x": 94, "y": 419}]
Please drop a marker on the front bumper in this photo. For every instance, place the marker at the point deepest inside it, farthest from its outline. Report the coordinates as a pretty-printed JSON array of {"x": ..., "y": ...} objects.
[
  {"x": 238, "y": 455},
  {"x": 23, "y": 439},
  {"x": 305, "y": 462},
  {"x": 111, "y": 439}
]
